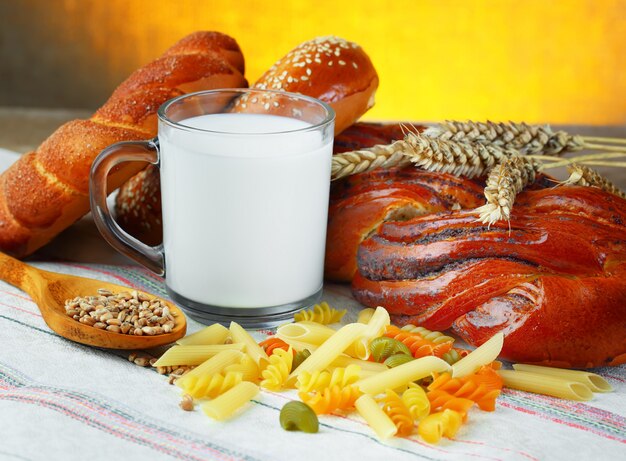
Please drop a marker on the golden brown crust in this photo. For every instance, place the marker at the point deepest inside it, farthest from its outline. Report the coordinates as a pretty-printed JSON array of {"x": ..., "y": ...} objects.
[
  {"x": 46, "y": 191},
  {"x": 328, "y": 68},
  {"x": 34, "y": 198},
  {"x": 75, "y": 143},
  {"x": 138, "y": 206},
  {"x": 331, "y": 69}
]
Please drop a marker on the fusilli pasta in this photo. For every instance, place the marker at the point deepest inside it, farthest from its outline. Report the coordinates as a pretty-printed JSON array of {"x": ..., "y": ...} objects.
[
  {"x": 320, "y": 313},
  {"x": 416, "y": 401},
  {"x": 276, "y": 372},
  {"x": 272, "y": 343},
  {"x": 444, "y": 423},
  {"x": 418, "y": 346},
  {"x": 383, "y": 347},
  {"x": 331, "y": 399},
  {"x": 482, "y": 387},
  {"x": 212, "y": 385},
  {"x": 342, "y": 377},
  {"x": 247, "y": 367},
  {"x": 300, "y": 357},
  {"x": 435, "y": 337},
  {"x": 395, "y": 408}
]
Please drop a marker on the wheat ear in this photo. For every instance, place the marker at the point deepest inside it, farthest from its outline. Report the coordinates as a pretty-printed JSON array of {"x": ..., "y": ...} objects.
[
  {"x": 359, "y": 161},
  {"x": 457, "y": 158},
  {"x": 528, "y": 139},
  {"x": 581, "y": 175},
  {"x": 505, "y": 181}
]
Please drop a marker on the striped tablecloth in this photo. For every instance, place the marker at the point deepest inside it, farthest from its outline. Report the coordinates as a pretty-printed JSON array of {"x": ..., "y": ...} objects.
[{"x": 63, "y": 401}]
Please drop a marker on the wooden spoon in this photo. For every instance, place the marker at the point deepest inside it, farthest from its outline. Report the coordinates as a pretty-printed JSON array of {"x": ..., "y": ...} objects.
[{"x": 50, "y": 290}]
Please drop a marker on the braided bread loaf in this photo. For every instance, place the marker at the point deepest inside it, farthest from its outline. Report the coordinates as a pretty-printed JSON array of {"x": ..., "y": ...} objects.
[
  {"x": 46, "y": 191},
  {"x": 552, "y": 279},
  {"x": 328, "y": 68}
]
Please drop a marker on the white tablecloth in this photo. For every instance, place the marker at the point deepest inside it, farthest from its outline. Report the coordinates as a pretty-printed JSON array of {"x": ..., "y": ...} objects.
[{"x": 64, "y": 401}]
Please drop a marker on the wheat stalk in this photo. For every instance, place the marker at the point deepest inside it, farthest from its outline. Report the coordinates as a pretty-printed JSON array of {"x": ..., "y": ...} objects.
[
  {"x": 359, "y": 161},
  {"x": 528, "y": 139},
  {"x": 505, "y": 181},
  {"x": 581, "y": 175},
  {"x": 457, "y": 158}
]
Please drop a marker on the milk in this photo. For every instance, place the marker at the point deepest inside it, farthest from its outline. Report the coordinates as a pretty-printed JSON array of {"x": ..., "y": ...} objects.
[{"x": 244, "y": 216}]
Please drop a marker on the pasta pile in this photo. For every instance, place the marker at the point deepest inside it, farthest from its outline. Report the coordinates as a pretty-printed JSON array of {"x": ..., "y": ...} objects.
[{"x": 400, "y": 380}]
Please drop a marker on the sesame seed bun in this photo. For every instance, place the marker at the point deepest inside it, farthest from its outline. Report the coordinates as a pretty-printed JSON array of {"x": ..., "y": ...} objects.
[{"x": 331, "y": 69}]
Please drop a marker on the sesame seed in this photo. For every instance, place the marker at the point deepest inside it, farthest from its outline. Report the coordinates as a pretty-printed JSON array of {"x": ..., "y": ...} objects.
[
  {"x": 342, "y": 63},
  {"x": 266, "y": 106},
  {"x": 308, "y": 71},
  {"x": 304, "y": 77},
  {"x": 354, "y": 64},
  {"x": 330, "y": 63}
]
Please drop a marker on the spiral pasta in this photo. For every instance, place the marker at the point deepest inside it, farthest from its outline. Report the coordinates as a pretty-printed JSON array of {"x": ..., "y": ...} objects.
[
  {"x": 482, "y": 387},
  {"x": 416, "y": 401},
  {"x": 300, "y": 357},
  {"x": 276, "y": 372},
  {"x": 383, "y": 347},
  {"x": 418, "y": 346},
  {"x": 212, "y": 385},
  {"x": 331, "y": 399},
  {"x": 320, "y": 313},
  {"x": 272, "y": 343},
  {"x": 342, "y": 377},
  {"x": 395, "y": 408},
  {"x": 247, "y": 367},
  {"x": 435, "y": 337},
  {"x": 454, "y": 355},
  {"x": 445, "y": 423}
]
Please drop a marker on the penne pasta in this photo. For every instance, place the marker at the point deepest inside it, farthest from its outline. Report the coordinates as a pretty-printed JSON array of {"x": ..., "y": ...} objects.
[
  {"x": 375, "y": 417},
  {"x": 213, "y": 334},
  {"x": 344, "y": 361},
  {"x": 300, "y": 345},
  {"x": 400, "y": 376},
  {"x": 194, "y": 355},
  {"x": 224, "y": 406},
  {"x": 482, "y": 355},
  {"x": 374, "y": 328},
  {"x": 214, "y": 365},
  {"x": 593, "y": 381},
  {"x": 255, "y": 351},
  {"x": 365, "y": 315},
  {"x": 378, "y": 322},
  {"x": 307, "y": 332},
  {"x": 545, "y": 384},
  {"x": 329, "y": 351}
]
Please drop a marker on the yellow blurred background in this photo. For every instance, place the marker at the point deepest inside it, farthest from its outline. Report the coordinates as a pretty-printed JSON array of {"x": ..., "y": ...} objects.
[{"x": 533, "y": 60}]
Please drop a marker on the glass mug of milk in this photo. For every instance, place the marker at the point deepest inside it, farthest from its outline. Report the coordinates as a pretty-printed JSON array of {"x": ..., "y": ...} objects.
[{"x": 245, "y": 179}]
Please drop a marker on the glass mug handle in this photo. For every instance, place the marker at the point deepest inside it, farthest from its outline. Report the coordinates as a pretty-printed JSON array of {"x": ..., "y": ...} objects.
[{"x": 129, "y": 151}]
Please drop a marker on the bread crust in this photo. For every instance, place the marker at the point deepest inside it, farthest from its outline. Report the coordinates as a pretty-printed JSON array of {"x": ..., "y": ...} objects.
[
  {"x": 331, "y": 69},
  {"x": 46, "y": 191}
]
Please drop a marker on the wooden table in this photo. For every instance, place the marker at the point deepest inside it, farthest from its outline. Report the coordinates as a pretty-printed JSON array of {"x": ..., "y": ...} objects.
[{"x": 23, "y": 130}]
